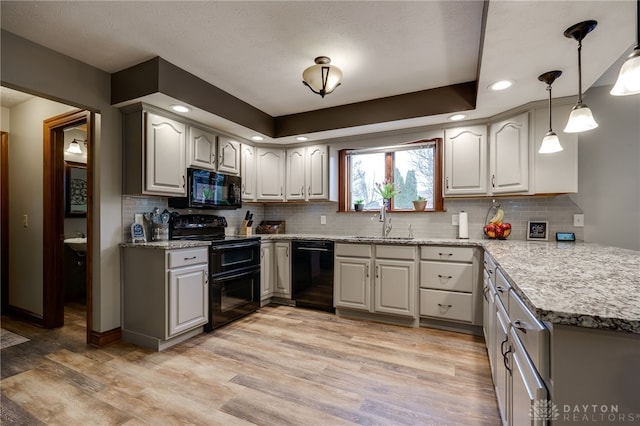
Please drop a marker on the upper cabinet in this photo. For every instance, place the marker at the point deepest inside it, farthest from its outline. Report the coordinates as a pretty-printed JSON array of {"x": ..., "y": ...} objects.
[
  {"x": 270, "y": 174},
  {"x": 154, "y": 153},
  {"x": 307, "y": 173},
  {"x": 465, "y": 161},
  {"x": 509, "y": 155},
  {"x": 228, "y": 156},
  {"x": 248, "y": 172},
  {"x": 201, "y": 149}
]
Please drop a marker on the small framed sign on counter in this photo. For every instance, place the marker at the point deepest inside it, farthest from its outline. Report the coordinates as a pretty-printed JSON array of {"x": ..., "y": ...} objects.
[{"x": 538, "y": 230}]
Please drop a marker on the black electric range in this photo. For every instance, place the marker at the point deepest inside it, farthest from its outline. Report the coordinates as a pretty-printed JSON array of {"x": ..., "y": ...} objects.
[{"x": 234, "y": 266}]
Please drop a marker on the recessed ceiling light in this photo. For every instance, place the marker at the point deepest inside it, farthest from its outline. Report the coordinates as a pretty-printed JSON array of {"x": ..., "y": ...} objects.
[
  {"x": 501, "y": 85},
  {"x": 257, "y": 138},
  {"x": 302, "y": 138},
  {"x": 457, "y": 117},
  {"x": 180, "y": 108}
]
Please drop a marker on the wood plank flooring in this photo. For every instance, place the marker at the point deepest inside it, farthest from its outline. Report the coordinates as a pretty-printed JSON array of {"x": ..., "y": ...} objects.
[{"x": 279, "y": 366}]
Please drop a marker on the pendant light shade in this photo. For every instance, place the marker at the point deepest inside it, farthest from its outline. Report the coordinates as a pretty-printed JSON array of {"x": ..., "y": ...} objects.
[
  {"x": 550, "y": 143},
  {"x": 628, "y": 82},
  {"x": 581, "y": 119},
  {"x": 322, "y": 78},
  {"x": 74, "y": 147}
]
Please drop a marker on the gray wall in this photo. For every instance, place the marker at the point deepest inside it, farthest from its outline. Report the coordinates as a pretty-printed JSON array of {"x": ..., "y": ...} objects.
[
  {"x": 609, "y": 170},
  {"x": 34, "y": 69}
]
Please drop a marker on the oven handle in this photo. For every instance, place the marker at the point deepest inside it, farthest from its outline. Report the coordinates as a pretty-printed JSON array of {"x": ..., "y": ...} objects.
[
  {"x": 234, "y": 276},
  {"x": 235, "y": 245},
  {"x": 311, "y": 249}
]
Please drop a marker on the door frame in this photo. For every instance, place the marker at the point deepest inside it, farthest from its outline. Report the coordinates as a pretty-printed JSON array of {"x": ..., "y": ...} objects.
[
  {"x": 53, "y": 219},
  {"x": 4, "y": 220}
]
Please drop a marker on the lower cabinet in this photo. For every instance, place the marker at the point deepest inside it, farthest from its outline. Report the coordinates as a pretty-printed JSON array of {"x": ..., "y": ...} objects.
[
  {"x": 165, "y": 295},
  {"x": 275, "y": 272},
  {"x": 376, "y": 279}
]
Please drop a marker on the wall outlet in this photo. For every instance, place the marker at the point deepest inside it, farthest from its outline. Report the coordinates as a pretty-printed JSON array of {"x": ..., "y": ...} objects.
[
  {"x": 455, "y": 219},
  {"x": 578, "y": 220},
  {"x": 323, "y": 219}
]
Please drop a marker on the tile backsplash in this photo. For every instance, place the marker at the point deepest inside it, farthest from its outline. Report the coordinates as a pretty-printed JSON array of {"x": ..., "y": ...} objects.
[{"x": 305, "y": 218}]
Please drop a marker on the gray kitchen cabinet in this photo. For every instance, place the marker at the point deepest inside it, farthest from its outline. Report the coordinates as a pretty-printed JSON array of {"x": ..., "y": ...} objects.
[
  {"x": 380, "y": 283},
  {"x": 228, "y": 156},
  {"x": 465, "y": 161},
  {"x": 165, "y": 295},
  {"x": 202, "y": 149},
  {"x": 282, "y": 270},
  {"x": 270, "y": 174},
  {"x": 154, "y": 152},
  {"x": 509, "y": 155},
  {"x": 450, "y": 284},
  {"x": 248, "y": 172},
  {"x": 266, "y": 271},
  {"x": 307, "y": 173}
]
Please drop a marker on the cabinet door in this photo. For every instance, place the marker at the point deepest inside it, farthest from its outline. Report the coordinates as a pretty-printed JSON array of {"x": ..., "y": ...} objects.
[
  {"x": 248, "y": 173},
  {"x": 201, "y": 149},
  {"x": 352, "y": 283},
  {"x": 295, "y": 169},
  {"x": 165, "y": 164},
  {"x": 228, "y": 156},
  {"x": 509, "y": 155},
  {"x": 502, "y": 363},
  {"x": 282, "y": 277},
  {"x": 395, "y": 287},
  {"x": 317, "y": 172},
  {"x": 266, "y": 270},
  {"x": 270, "y": 176},
  {"x": 188, "y": 298},
  {"x": 465, "y": 161}
]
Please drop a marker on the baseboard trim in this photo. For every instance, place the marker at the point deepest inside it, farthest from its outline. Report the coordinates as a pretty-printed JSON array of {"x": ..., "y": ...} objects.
[
  {"x": 100, "y": 339},
  {"x": 25, "y": 315}
]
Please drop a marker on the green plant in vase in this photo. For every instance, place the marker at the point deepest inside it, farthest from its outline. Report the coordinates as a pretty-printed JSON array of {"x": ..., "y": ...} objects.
[
  {"x": 358, "y": 205},
  {"x": 420, "y": 203}
]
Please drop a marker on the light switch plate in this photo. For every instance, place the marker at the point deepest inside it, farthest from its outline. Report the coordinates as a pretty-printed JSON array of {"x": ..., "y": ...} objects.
[
  {"x": 323, "y": 220},
  {"x": 578, "y": 220}
]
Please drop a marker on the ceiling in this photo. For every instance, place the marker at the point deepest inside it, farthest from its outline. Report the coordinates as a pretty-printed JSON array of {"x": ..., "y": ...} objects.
[{"x": 256, "y": 51}]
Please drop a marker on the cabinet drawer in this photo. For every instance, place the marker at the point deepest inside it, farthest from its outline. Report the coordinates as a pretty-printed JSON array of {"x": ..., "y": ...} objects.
[
  {"x": 453, "y": 254},
  {"x": 353, "y": 250},
  {"x": 446, "y": 276},
  {"x": 185, "y": 257},
  {"x": 446, "y": 305},
  {"x": 531, "y": 332},
  {"x": 490, "y": 266},
  {"x": 395, "y": 252},
  {"x": 502, "y": 288}
]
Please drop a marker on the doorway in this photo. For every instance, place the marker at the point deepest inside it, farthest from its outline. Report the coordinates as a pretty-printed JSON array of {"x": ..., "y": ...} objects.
[{"x": 56, "y": 203}]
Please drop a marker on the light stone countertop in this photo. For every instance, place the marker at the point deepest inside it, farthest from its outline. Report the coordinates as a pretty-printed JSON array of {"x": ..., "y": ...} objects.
[
  {"x": 571, "y": 283},
  {"x": 582, "y": 284}
]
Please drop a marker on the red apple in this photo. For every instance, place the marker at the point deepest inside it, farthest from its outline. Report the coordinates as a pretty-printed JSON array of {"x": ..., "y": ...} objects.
[{"x": 499, "y": 232}]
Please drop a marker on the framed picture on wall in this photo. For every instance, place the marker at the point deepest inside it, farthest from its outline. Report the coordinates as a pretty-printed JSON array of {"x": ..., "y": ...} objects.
[
  {"x": 538, "y": 230},
  {"x": 75, "y": 189}
]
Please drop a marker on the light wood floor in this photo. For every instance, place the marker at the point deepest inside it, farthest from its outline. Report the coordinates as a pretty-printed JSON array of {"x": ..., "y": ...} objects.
[{"x": 280, "y": 366}]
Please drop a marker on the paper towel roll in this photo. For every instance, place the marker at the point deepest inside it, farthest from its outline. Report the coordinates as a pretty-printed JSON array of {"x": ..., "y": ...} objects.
[{"x": 463, "y": 228}]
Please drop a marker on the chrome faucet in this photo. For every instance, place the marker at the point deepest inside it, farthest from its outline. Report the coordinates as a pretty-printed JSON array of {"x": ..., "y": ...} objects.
[{"x": 386, "y": 221}]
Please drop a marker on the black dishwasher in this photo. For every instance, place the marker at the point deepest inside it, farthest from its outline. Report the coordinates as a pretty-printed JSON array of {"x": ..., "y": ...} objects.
[{"x": 312, "y": 274}]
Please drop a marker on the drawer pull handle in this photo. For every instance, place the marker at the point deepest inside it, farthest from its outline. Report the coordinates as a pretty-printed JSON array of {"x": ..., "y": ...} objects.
[
  {"x": 444, "y": 306},
  {"x": 500, "y": 289},
  {"x": 190, "y": 258},
  {"x": 445, "y": 254},
  {"x": 448, "y": 277},
  {"x": 518, "y": 324}
]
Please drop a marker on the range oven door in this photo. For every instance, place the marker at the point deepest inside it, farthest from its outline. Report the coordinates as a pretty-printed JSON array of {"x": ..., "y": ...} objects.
[
  {"x": 233, "y": 257},
  {"x": 233, "y": 296}
]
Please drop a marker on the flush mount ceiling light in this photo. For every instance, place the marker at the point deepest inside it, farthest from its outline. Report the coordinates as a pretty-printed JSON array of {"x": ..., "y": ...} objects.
[
  {"x": 302, "y": 138},
  {"x": 550, "y": 143},
  {"x": 322, "y": 78},
  {"x": 581, "y": 118},
  {"x": 457, "y": 117},
  {"x": 501, "y": 85},
  {"x": 180, "y": 108},
  {"x": 74, "y": 147},
  {"x": 628, "y": 82},
  {"x": 257, "y": 138}
]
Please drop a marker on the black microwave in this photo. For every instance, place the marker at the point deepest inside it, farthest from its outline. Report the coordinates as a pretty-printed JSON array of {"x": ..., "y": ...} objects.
[{"x": 207, "y": 189}]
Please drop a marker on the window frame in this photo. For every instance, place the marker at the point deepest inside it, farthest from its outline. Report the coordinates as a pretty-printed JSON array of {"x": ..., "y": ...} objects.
[{"x": 344, "y": 187}]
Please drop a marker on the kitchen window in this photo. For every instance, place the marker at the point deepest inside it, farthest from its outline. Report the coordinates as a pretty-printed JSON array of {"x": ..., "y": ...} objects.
[{"x": 415, "y": 169}]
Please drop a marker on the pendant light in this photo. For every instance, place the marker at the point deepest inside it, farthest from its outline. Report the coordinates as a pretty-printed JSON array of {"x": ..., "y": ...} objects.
[
  {"x": 628, "y": 82},
  {"x": 550, "y": 143},
  {"x": 581, "y": 119},
  {"x": 74, "y": 147},
  {"x": 322, "y": 78}
]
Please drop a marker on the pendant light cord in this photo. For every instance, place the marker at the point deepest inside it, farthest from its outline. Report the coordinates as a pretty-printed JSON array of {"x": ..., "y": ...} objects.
[
  {"x": 580, "y": 71},
  {"x": 549, "y": 89}
]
